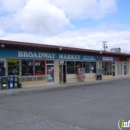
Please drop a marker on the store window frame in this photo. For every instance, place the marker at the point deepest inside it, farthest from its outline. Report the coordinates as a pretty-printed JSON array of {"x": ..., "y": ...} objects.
[
  {"x": 119, "y": 69},
  {"x": 92, "y": 68},
  {"x": 15, "y": 68},
  {"x": 31, "y": 69},
  {"x": 51, "y": 76},
  {"x": 44, "y": 69},
  {"x": 2, "y": 67},
  {"x": 73, "y": 67},
  {"x": 77, "y": 66},
  {"x": 82, "y": 66},
  {"x": 107, "y": 68}
]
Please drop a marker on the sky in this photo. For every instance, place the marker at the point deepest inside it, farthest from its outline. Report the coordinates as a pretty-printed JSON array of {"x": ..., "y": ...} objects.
[{"x": 73, "y": 23}]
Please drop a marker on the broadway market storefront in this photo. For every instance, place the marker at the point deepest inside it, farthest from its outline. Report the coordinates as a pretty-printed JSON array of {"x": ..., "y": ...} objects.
[{"x": 46, "y": 68}]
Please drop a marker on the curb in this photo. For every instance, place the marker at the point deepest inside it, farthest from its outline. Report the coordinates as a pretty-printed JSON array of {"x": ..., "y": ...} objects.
[{"x": 58, "y": 87}]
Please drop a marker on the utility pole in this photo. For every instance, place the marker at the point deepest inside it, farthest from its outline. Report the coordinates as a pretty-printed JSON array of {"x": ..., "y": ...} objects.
[{"x": 104, "y": 45}]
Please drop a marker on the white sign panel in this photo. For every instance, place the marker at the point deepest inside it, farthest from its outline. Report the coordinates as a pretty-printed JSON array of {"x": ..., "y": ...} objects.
[{"x": 107, "y": 59}]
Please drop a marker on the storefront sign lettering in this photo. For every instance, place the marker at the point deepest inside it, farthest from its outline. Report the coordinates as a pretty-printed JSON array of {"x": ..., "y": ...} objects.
[
  {"x": 45, "y": 55},
  {"x": 69, "y": 57},
  {"x": 107, "y": 59},
  {"x": 36, "y": 55},
  {"x": 89, "y": 58}
]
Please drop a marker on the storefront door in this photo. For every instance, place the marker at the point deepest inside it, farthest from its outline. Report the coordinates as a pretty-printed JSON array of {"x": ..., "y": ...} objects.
[
  {"x": 125, "y": 69},
  {"x": 62, "y": 73},
  {"x": 113, "y": 68},
  {"x": 50, "y": 74}
]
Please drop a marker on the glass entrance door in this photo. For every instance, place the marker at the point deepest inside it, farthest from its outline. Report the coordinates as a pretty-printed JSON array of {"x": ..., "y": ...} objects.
[
  {"x": 125, "y": 69},
  {"x": 62, "y": 74},
  {"x": 50, "y": 74},
  {"x": 113, "y": 69}
]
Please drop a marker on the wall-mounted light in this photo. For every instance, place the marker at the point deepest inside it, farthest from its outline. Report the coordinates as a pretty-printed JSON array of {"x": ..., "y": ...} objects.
[
  {"x": 2, "y": 45},
  {"x": 60, "y": 48}
]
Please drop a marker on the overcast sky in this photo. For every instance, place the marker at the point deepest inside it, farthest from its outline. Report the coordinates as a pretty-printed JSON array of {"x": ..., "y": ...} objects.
[{"x": 74, "y": 23}]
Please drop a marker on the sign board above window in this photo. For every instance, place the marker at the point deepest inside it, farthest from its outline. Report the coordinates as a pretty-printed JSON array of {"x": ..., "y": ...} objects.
[{"x": 45, "y": 55}]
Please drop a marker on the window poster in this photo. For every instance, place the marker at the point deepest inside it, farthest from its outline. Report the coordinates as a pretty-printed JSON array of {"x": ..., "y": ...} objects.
[
  {"x": 13, "y": 66},
  {"x": 70, "y": 67},
  {"x": 27, "y": 67},
  {"x": 50, "y": 73},
  {"x": 39, "y": 67},
  {"x": 92, "y": 67},
  {"x": 2, "y": 67}
]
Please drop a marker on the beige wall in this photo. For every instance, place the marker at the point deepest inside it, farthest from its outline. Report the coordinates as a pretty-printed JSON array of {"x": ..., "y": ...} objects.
[
  {"x": 56, "y": 71},
  {"x": 97, "y": 64},
  {"x": 122, "y": 68},
  {"x": 73, "y": 78},
  {"x": 116, "y": 69}
]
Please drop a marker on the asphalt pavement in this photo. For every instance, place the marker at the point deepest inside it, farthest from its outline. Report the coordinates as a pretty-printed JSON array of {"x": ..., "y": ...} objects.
[{"x": 84, "y": 106}]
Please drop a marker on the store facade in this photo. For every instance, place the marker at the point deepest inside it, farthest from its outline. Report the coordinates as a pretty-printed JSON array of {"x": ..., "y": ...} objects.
[
  {"x": 108, "y": 65},
  {"x": 39, "y": 65},
  {"x": 56, "y": 67},
  {"x": 114, "y": 66}
]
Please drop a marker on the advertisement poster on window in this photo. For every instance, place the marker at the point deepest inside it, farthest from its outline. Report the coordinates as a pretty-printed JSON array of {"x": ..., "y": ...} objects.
[
  {"x": 27, "y": 67},
  {"x": 13, "y": 66},
  {"x": 92, "y": 67},
  {"x": 39, "y": 67},
  {"x": 2, "y": 67},
  {"x": 50, "y": 73}
]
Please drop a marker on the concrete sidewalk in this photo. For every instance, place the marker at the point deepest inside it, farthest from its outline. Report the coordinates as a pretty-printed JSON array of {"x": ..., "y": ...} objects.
[{"x": 55, "y": 87}]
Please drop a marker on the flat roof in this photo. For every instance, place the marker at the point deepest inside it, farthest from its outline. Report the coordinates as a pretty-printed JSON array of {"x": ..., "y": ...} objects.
[{"x": 54, "y": 48}]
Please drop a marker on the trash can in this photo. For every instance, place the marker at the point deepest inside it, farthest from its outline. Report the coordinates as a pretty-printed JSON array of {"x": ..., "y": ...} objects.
[
  {"x": 4, "y": 82},
  {"x": 16, "y": 81},
  {"x": 100, "y": 77},
  {"x": 19, "y": 84},
  {"x": 97, "y": 77},
  {"x": 11, "y": 81}
]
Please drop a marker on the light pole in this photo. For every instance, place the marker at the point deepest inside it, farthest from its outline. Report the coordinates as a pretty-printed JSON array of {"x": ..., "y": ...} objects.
[{"x": 104, "y": 45}]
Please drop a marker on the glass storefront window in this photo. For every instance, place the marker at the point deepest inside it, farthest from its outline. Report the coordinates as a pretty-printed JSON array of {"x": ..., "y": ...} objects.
[
  {"x": 78, "y": 64},
  {"x": 39, "y": 67},
  {"x": 108, "y": 68},
  {"x": 70, "y": 67},
  {"x": 92, "y": 67},
  {"x": 126, "y": 68},
  {"x": 2, "y": 68},
  {"x": 13, "y": 67},
  {"x": 119, "y": 68},
  {"x": 27, "y": 67},
  {"x": 86, "y": 65}
]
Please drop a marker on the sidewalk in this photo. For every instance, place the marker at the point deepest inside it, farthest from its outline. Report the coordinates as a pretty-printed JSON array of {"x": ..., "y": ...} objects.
[{"x": 55, "y": 87}]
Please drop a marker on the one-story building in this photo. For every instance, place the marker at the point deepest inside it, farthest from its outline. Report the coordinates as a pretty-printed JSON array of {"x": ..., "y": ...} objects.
[{"x": 41, "y": 64}]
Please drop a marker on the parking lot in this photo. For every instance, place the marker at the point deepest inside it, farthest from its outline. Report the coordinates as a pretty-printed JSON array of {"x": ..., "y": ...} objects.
[{"x": 89, "y": 107}]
